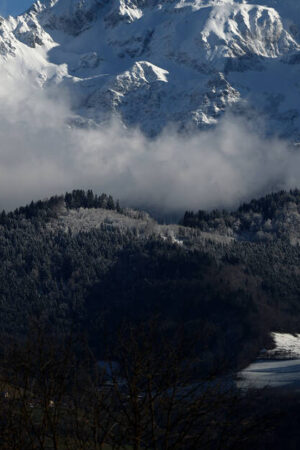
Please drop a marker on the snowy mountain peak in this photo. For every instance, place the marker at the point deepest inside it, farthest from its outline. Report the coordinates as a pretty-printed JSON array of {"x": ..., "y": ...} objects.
[{"x": 183, "y": 62}]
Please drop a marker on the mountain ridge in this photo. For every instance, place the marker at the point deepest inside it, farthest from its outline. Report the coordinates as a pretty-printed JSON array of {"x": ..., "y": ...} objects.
[{"x": 186, "y": 62}]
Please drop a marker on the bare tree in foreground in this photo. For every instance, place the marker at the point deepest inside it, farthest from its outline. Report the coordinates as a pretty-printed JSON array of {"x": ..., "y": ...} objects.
[{"x": 55, "y": 395}]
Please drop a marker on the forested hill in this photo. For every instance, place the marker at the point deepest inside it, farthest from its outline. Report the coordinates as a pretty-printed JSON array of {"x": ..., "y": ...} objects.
[
  {"x": 274, "y": 216},
  {"x": 82, "y": 262}
]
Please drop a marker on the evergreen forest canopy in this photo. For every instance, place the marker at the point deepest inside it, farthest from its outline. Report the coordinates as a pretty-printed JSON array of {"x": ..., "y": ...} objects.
[
  {"x": 115, "y": 331},
  {"x": 231, "y": 280}
]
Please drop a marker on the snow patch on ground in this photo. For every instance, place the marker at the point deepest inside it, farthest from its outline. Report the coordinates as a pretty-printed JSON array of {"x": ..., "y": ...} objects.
[
  {"x": 280, "y": 367},
  {"x": 286, "y": 346},
  {"x": 261, "y": 374}
]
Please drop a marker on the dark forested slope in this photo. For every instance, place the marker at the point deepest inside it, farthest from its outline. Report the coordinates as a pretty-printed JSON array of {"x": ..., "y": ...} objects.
[{"x": 81, "y": 262}]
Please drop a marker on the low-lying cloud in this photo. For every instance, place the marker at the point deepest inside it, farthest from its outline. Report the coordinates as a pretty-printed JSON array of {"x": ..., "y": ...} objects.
[{"x": 40, "y": 155}]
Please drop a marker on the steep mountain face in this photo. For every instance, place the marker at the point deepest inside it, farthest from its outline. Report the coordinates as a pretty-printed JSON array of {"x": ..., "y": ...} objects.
[{"x": 153, "y": 63}]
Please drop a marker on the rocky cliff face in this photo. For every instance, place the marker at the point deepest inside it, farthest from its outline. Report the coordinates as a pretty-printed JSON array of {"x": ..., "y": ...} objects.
[{"x": 154, "y": 63}]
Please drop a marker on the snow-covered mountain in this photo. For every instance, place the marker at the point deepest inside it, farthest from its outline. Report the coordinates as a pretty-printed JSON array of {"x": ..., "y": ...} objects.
[{"x": 159, "y": 62}]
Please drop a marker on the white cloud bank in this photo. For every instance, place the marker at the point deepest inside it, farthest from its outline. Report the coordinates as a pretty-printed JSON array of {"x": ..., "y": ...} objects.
[{"x": 40, "y": 156}]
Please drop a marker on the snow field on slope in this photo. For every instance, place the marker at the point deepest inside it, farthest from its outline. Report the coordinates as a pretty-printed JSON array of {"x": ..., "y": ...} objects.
[{"x": 111, "y": 56}]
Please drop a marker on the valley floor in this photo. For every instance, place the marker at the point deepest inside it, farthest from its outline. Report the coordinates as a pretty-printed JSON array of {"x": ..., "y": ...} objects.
[{"x": 278, "y": 367}]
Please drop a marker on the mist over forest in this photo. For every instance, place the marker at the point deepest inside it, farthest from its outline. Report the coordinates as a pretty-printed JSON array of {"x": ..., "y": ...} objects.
[{"x": 218, "y": 168}]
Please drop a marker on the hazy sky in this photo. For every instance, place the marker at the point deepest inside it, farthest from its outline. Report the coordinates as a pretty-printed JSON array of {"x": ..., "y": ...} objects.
[{"x": 13, "y": 7}]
